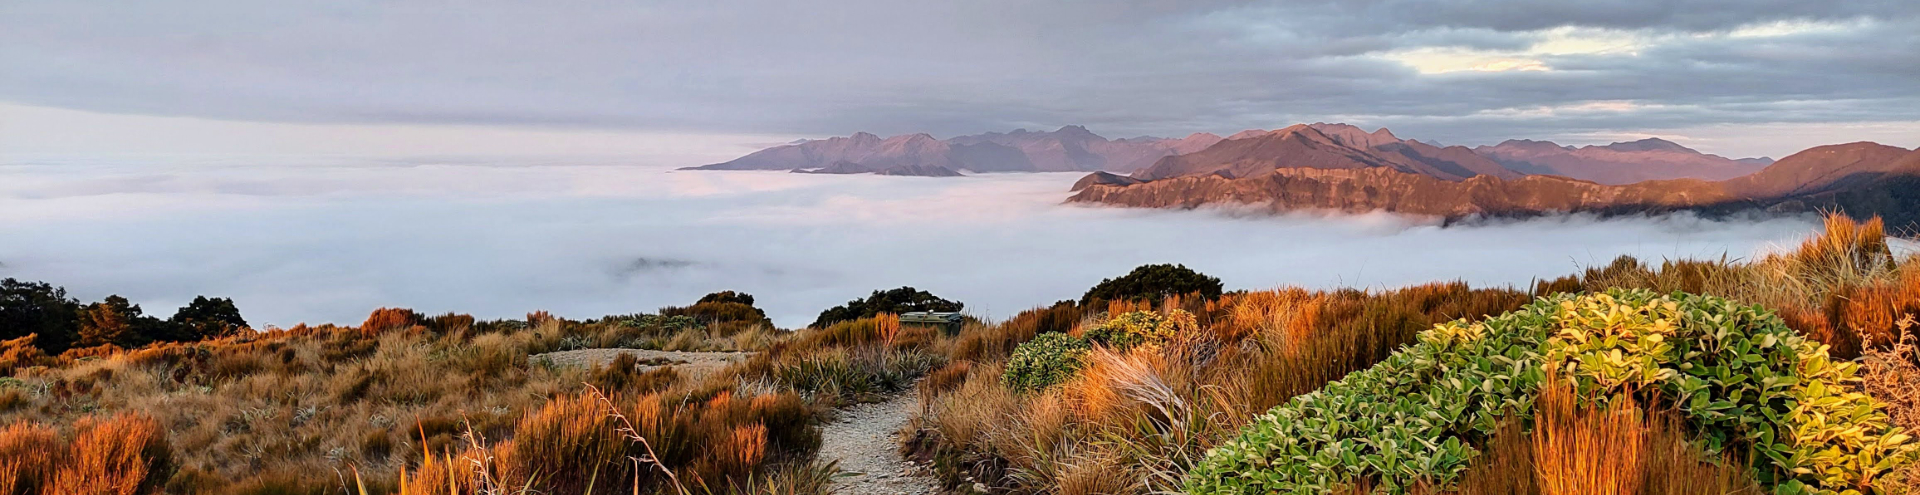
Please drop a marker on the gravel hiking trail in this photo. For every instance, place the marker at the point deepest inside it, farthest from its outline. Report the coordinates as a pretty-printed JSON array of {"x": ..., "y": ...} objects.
[{"x": 865, "y": 439}]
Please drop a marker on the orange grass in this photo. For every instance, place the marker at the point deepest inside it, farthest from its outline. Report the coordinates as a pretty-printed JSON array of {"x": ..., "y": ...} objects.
[{"x": 1584, "y": 450}]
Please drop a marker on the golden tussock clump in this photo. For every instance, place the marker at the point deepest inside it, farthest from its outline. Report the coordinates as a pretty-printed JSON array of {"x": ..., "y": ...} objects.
[
  {"x": 1585, "y": 450},
  {"x": 125, "y": 454}
]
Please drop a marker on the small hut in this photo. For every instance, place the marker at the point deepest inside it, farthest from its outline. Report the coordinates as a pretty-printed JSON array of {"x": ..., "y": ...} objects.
[{"x": 948, "y": 323}]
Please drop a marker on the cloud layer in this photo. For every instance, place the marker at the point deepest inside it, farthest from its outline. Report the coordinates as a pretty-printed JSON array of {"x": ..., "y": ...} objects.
[
  {"x": 1464, "y": 71},
  {"x": 329, "y": 239}
]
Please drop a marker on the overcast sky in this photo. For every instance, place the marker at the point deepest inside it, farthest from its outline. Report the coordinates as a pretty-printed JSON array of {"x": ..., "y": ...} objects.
[{"x": 1738, "y": 77}]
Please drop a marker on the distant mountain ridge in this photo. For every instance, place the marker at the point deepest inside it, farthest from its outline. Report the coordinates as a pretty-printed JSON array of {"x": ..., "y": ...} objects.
[
  {"x": 1860, "y": 179},
  {"x": 1329, "y": 166},
  {"x": 1068, "y": 149},
  {"x": 1323, "y": 146},
  {"x": 1618, "y": 163},
  {"x": 1319, "y": 145}
]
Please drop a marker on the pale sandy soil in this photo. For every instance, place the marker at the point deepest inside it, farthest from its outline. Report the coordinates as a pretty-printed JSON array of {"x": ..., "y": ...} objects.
[{"x": 689, "y": 364}]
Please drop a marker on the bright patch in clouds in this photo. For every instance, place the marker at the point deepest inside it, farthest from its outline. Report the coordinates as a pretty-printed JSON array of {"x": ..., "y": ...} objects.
[
  {"x": 1561, "y": 41},
  {"x": 1581, "y": 108},
  {"x": 1444, "y": 60},
  {"x": 1793, "y": 27},
  {"x": 1572, "y": 41}
]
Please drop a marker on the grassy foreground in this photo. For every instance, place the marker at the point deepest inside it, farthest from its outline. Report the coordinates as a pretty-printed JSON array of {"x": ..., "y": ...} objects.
[
  {"x": 1239, "y": 399},
  {"x": 1114, "y": 394}
]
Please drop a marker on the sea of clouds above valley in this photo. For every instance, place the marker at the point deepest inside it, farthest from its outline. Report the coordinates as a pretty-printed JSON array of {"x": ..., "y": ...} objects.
[{"x": 327, "y": 239}]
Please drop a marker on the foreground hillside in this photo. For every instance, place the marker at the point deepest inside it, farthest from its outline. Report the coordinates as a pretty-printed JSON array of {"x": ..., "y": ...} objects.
[
  {"x": 1618, "y": 380},
  {"x": 1784, "y": 375}
]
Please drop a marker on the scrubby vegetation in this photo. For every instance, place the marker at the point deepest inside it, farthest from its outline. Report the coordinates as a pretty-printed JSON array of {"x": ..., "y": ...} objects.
[
  {"x": 1740, "y": 376},
  {"x": 1135, "y": 420},
  {"x": 1045, "y": 361},
  {"x": 1794, "y": 372},
  {"x": 417, "y": 404},
  {"x": 893, "y": 301},
  {"x": 1152, "y": 283},
  {"x": 1690, "y": 377},
  {"x": 41, "y": 315}
]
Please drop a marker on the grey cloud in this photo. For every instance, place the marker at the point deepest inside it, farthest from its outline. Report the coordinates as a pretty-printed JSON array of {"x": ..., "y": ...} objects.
[{"x": 1122, "y": 68}]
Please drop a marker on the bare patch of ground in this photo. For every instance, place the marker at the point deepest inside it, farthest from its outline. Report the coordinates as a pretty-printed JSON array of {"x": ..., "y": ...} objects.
[{"x": 689, "y": 364}]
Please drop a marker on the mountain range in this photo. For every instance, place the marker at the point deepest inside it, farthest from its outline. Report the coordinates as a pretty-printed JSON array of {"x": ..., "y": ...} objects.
[
  {"x": 1340, "y": 167},
  {"x": 1618, "y": 163},
  {"x": 1860, "y": 179},
  {"x": 1069, "y": 149}
]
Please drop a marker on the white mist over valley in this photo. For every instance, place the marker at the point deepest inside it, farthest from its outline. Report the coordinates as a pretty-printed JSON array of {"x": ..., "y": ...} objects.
[{"x": 328, "y": 238}]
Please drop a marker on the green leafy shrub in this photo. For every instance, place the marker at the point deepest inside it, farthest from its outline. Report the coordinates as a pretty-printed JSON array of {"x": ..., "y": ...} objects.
[
  {"x": 1743, "y": 379},
  {"x": 1141, "y": 327},
  {"x": 1048, "y": 359}
]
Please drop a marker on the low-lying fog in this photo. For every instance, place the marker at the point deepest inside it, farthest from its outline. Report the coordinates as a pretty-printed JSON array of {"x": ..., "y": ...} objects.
[{"x": 329, "y": 239}]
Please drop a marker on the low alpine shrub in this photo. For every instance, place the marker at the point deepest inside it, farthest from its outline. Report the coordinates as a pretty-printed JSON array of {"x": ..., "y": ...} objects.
[
  {"x": 1141, "y": 327},
  {"x": 1048, "y": 359}
]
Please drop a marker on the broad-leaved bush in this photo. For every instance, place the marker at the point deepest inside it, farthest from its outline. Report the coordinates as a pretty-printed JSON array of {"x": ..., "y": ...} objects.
[
  {"x": 1743, "y": 379},
  {"x": 1049, "y": 359},
  {"x": 1130, "y": 329}
]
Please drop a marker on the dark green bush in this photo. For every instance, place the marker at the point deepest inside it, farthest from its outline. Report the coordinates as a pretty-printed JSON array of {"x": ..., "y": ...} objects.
[
  {"x": 896, "y": 301},
  {"x": 1152, "y": 283}
]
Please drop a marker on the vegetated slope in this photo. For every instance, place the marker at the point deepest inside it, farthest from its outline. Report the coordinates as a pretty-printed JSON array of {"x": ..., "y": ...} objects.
[
  {"x": 1738, "y": 374},
  {"x": 1129, "y": 398},
  {"x": 1254, "y": 154},
  {"x": 448, "y": 404},
  {"x": 1069, "y": 149},
  {"x": 1619, "y": 163},
  {"x": 1860, "y": 179}
]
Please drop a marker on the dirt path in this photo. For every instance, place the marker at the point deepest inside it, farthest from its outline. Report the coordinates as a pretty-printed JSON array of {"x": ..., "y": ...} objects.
[
  {"x": 692, "y": 364},
  {"x": 865, "y": 439}
]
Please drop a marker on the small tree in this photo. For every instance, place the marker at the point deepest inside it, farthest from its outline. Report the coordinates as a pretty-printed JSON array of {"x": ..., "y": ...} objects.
[
  {"x": 722, "y": 307},
  {"x": 37, "y": 308},
  {"x": 206, "y": 318},
  {"x": 896, "y": 301},
  {"x": 727, "y": 296},
  {"x": 1153, "y": 282},
  {"x": 114, "y": 321}
]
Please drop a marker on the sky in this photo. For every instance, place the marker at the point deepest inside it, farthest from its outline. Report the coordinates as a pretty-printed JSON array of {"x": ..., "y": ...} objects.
[
  {"x": 1735, "y": 77},
  {"x": 318, "y": 239}
]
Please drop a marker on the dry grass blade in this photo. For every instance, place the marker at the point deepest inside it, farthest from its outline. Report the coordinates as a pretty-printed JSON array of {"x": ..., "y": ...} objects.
[
  {"x": 1587, "y": 451},
  {"x": 633, "y": 434}
]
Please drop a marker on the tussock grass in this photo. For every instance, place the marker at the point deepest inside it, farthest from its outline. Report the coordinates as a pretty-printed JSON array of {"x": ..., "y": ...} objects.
[
  {"x": 1842, "y": 286},
  {"x": 317, "y": 409},
  {"x": 1134, "y": 420},
  {"x": 1146, "y": 415},
  {"x": 124, "y": 454},
  {"x": 1587, "y": 450}
]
